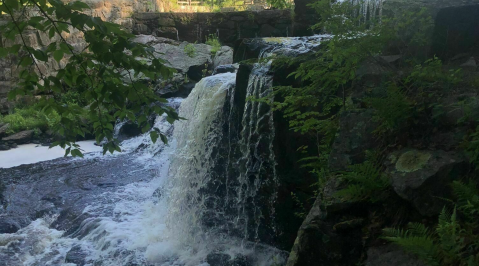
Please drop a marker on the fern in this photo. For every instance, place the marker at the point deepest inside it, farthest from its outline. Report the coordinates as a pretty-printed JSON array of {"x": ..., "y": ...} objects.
[
  {"x": 393, "y": 110},
  {"x": 366, "y": 181},
  {"x": 417, "y": 239},
  {"x": 467, "y": 198},
  {"x": 452, "y": 243}
]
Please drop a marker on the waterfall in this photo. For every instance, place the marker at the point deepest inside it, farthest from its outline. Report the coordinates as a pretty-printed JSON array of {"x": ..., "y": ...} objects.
[
  {"x": 212, "y": 193},
  {"x": 369, "y": 9}
]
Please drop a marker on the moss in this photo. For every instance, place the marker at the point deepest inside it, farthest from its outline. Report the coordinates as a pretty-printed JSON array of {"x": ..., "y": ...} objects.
[{"x": 412, "y": 161}]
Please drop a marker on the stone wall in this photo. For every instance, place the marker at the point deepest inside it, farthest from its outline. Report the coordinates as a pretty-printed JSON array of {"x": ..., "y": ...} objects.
[{"x": 229, "y": 26}]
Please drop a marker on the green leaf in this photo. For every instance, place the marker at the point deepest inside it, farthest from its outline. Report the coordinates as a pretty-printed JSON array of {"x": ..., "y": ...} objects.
[
  {"x": 58, "y": 55},
  {"x": 154, "y": 136},
  {"x": 76, "y": 153},
  {"x": 51, "y": 32},
  {"x": 3, "y": 52},
  {"x": 40, "y": 55},
  {"x": 12, "y": 4},
  {"x": 26, "y": 61}
]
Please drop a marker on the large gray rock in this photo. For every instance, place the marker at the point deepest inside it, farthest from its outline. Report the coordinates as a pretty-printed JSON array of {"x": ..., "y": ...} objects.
[
  {"x": 20, "y": 137},
  {"x": 390, "y": 255},
  {"x": 223, "y": 57},
  {"x": 355, "y": 136},
  {"x": 420, "y": 177},
  {"x": 192, "y": 65}
]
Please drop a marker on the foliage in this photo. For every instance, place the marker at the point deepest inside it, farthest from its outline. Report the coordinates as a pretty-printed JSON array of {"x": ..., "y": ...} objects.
[
  {"x": 431, "y": 74},
  {"x": 471, "y": 145},
  {"x": 393, "y": 111},
  {"x": 107, "y": 68},
  {"x": 454, "y": 241},
  {"x": 190, "y": 50},
  {"x": 366, "y": 181},
  {"x": 215, "y": 43},
  {"x": 281, "y": 4},
  {"x": 30, "y": 118}
]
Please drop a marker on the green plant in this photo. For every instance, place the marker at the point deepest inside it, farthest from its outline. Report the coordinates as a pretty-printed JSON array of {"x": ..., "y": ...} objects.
[
  {"x": 471, "y": 145},
  {"x": 100, "y": 69},
  {"x": 214, "y": 42},
  {"x": 393, "y": 111},
  {"x": 454, "y": 241},
  {"x": 365, "y": 181},
  {"x": 190, "y": 50}
]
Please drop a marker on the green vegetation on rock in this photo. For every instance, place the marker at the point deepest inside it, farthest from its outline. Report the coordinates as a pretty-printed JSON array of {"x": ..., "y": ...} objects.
[{"x": 412, "y": 161}]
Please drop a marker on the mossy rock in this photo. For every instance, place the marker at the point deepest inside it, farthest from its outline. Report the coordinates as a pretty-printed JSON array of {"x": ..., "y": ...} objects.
[
  {"x": 424, "y": 177},
  {"x": 412, "y": 161}
]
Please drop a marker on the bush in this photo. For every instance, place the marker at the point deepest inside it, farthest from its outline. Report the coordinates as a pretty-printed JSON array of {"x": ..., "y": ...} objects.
[{"x": 30, "y": 118}]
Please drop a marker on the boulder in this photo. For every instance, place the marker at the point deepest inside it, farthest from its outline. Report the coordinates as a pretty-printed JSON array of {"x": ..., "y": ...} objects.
[
  {"x": 3, "y": 129},
  {"x": 8, "y": 226},
  {"x": 423, "y": 177},
  {"x": 174, "y": 53},
  {"x": 454, "y": 109},
  {"x": 223, "y": 57},
  {"x": 20, "y": 137},
  {"x": 223, "y": 259},
  {"x": 232, "y": 68},
  {"x": 390, "y": 255},
  {"x": 76, "y": 256},
  {"x": 470, "y": 64},
  {"x": 317, "y": 243},
  {"x": 128, "y": 130},
  {"x": 355, "y": 136}
]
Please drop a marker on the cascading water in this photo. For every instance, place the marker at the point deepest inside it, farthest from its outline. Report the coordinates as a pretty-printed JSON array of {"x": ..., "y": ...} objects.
[{"x": 210, "y": 200}]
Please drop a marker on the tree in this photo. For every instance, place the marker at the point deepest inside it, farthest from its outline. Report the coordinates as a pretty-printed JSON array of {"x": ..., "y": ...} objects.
[{"x": 108, "y": 72}]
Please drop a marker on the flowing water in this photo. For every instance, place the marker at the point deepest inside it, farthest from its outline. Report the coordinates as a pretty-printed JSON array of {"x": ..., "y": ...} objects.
[{"x": 205, "y": 198}]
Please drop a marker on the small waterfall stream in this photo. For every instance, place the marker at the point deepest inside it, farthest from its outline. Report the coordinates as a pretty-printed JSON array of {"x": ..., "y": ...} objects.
[{"x": 211, "y": 193}]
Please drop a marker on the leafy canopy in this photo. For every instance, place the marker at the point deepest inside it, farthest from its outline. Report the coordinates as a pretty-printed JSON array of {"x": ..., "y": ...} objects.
[{"x": 106, "y": 71}]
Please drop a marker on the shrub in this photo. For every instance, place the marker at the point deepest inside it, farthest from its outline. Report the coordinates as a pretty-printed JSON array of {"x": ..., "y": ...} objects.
[{"x": 215, "y": 43}]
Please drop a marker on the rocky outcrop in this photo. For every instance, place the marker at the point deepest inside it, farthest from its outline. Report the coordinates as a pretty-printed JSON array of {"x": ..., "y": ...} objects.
[
  {"x": 420, "y": 177},
  {"x": 355, "y": 136},
  {"x": 318, "y": 243},
  {"x": 191, "y": 61},
  {"x": 390, "y": 255}
]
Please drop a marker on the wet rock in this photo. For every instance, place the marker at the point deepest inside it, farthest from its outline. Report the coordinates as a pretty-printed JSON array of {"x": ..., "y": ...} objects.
[
  {"x": 421, "y": 176},
  {"x": 8, "y": 227},
  {"x": 20, "y": 137},
  {"x": 231, "y": 68},
  {"x": 4, "y": 147},
  {"x": 223, "y": 57},
  {"x": 331, "y": 203},
  {"x": 317, "y": 243},
  {"x": 13, "y": 145},
  {"x": 222, "y": 259},
  {"x": 390, "y": 255},
  {"x": 76, "y": 256},
  {"x": 355, "y": 136},
  {"x": 218, "y": 259},
  {"x": 128, "y": 130}
]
